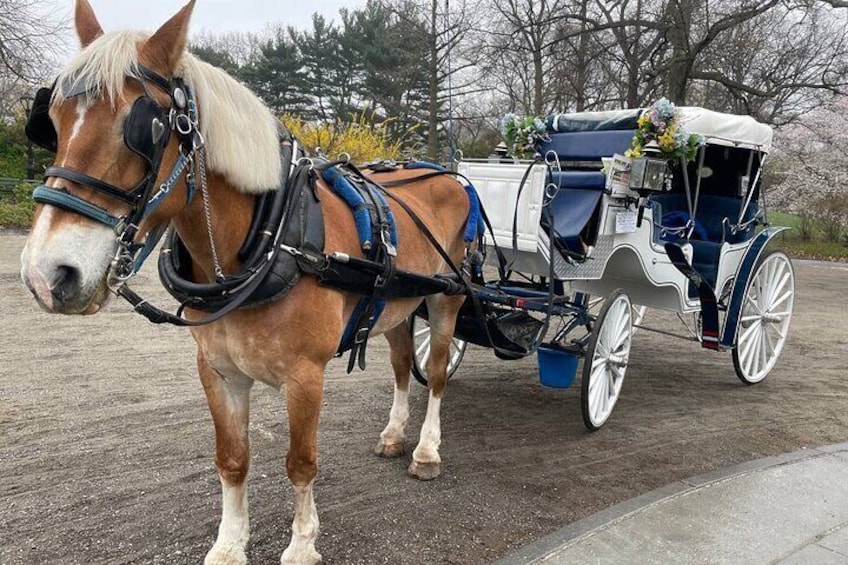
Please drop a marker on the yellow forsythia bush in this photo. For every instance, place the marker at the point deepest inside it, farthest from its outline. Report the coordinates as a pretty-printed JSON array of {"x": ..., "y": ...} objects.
[{"x": 363, "y": 140}]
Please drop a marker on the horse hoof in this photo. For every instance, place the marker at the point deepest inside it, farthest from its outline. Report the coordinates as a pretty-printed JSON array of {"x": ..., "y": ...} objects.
[
  {"x": 424, "y": 471},
  {"x": 225, "y": 555},
  {"x": 305, "y": 557},
  {"x": 390, "y": 450}
]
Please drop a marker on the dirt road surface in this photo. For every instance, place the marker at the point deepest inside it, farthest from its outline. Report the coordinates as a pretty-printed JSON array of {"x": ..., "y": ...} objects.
[{"x": 106, "y": 443}]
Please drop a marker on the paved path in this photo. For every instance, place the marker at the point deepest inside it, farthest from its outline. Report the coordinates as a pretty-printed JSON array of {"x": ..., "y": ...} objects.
[{"x": 790, "y": 509}]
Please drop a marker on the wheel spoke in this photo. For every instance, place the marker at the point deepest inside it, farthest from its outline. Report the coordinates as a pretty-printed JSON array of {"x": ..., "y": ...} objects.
[
  {"x": 764, "y": 354},
  {"x": 753, "y": 351},
  {"x": 783, "y": 297},
  {"x": 424, "y": 345},
  {"x": 423, "y": 331},
  {"x": 747, "y": 345},
  {"x": 749, "y": 300},
  {"x": 777, "y": 288},
  {"x": 605, "y": 392},
  {"x": 783, "y": 314},
  {"x": 768, "y": 341},
  {"x": 747, "y": 333}
]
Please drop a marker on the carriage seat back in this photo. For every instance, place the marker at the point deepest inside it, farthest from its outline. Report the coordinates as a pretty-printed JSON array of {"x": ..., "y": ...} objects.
[
  {"x": 714, "y": 216},
  {"x": 585, "y": 180},
  {"x": 587, "y": 145}
]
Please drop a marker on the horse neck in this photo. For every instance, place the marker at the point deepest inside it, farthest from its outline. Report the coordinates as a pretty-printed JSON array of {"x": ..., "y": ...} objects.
[{"x": 231, "y": 212}]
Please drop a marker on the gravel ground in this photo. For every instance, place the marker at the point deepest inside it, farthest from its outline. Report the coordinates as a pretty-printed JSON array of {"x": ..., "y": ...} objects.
[{"x": 106, "y": 443}]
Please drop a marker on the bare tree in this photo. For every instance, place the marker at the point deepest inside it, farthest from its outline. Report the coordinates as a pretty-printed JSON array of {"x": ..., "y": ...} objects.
[{"x": 28, "y": 47}]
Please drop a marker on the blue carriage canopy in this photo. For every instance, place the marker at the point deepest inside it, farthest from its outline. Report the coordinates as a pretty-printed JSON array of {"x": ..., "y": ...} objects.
[{"x": 720, "y": 129}]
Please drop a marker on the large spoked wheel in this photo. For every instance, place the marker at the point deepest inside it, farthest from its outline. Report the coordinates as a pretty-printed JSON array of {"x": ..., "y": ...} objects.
[
  {"x": 420, "y": 329},
  {"x": 764, "y": 319},
  {"x": 606, "y": 360}
]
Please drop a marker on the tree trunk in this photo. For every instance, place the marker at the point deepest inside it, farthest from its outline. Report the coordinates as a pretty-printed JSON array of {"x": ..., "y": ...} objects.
[{"x": 677, "y": 75}]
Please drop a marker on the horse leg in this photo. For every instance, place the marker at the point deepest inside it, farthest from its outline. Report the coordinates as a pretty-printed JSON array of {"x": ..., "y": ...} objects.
[
  {"x": 426, "y": 462},
  {"x": 392, "y": 438},
  {"x": 303, "y": 399},
  {"x": 229, "y": 402}
]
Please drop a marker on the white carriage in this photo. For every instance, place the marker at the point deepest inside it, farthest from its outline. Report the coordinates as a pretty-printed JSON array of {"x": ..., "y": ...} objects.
[{"x": 686, "y": 238}]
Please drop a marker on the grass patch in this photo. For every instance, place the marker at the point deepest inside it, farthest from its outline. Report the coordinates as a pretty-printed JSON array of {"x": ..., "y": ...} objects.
[{"x": 817, "y": 248}]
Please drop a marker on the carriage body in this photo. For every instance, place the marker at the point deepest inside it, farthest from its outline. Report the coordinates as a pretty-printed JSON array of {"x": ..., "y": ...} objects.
[
  {"x": 623, "y": 246},
  {"x": 590, "y": 244}
]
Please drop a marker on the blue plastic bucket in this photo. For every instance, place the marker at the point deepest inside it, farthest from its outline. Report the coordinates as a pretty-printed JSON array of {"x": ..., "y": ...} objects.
[{"x": 557, "y": 367}]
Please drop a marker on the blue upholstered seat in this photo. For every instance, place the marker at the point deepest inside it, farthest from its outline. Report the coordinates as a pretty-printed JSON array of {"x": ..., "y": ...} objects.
[
  {"x": 714, "y": 216},
  {"x": 587, "y": 145}
]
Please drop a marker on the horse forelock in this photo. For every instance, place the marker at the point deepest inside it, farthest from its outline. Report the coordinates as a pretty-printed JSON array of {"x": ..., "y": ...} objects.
[{"x": 241, "y": 133}]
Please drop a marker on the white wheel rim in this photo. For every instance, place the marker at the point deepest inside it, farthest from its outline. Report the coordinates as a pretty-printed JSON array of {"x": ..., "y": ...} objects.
[
  {"x": 609, "y": 359},
  {"x": 765, "y": 316},
  {"x": 421, "y": 347}
]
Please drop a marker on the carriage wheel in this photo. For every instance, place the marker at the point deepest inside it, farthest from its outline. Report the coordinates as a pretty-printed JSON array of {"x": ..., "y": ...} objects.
[
  {"x": 764, "y": 319},
  {"x": 606, "y": 360},
  {"x": 420, "y": 329},
  {"x": 637, "y": 316}
]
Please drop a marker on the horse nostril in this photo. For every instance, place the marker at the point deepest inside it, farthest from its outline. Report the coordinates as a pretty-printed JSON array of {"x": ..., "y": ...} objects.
[{"x": 66, "y": 283}]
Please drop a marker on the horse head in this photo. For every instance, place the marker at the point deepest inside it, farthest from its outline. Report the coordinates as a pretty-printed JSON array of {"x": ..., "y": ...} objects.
[{"x": 107, "y": 119}]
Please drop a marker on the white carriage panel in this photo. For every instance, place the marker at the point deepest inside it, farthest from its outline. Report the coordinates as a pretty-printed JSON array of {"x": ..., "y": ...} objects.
[
  {"x": 728, "y": 264},
  {"x": 497, "y": 185},
  {"x": 632, "y": 262}
]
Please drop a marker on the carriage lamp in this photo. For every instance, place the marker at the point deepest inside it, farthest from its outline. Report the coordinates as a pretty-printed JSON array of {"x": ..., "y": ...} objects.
[{"x": 647, "y": 174}]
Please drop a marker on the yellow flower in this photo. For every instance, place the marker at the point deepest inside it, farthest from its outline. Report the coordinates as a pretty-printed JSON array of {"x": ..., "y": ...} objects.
[
  {"x": 643, "y": 120},
  {"x": 634, "y": 152}
]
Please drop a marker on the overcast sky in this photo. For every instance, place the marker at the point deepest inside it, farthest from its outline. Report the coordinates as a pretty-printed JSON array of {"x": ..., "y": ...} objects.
[{"x": 211, "y": 15}]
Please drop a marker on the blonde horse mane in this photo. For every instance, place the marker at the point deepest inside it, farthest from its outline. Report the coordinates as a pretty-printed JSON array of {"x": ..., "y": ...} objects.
[{"x": 242, "y": 142}]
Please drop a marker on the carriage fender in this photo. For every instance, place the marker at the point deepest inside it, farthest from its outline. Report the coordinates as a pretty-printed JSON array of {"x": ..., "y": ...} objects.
[{"x": 740, "y": 282}]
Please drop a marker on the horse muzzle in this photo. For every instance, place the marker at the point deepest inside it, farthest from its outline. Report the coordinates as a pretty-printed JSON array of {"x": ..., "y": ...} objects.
[{"x": 60, "y": 290}]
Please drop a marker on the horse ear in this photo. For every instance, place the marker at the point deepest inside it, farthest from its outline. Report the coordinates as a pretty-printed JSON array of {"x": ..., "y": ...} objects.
[
  {"x": 88, "y": 28},
  {"x": 165, "y": 47}
]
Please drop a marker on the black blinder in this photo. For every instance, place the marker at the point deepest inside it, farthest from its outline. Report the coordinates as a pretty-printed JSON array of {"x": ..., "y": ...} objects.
[
  {"x": 39, "y": 127},
  {"x": 146, "y": 130}
]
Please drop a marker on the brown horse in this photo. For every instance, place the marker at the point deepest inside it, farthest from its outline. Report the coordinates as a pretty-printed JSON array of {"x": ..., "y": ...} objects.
[{"x": 285, "y": 344}]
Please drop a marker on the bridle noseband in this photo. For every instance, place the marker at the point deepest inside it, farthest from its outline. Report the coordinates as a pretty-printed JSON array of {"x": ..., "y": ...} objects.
[{"x": 147, "y": 131}]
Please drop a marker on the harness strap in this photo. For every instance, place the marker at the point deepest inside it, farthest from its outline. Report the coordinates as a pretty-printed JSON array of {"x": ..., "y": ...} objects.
[
  {"x": 100, "y": 186},
  {"x": 66, "y": 201},
  {"x": 384, "y": 254}
]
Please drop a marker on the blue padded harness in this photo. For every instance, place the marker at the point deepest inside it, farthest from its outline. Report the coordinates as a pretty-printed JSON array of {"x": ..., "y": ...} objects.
[
  {"x": 474, "y": 226},
  {"x": 343, "y": 187}
]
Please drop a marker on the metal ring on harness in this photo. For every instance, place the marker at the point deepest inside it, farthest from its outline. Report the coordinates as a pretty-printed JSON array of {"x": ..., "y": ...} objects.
[
  {"x": 303, "y": 160},
  {"x": 344, "y": 157},
  {"x": 183, "y": 124},
  {"x": 458, "y": 156}
]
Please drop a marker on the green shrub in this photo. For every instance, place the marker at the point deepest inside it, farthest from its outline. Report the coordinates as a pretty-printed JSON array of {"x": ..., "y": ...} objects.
[
  {"x": 17, "y": 207},
  {"x": 806, "y": 226}
]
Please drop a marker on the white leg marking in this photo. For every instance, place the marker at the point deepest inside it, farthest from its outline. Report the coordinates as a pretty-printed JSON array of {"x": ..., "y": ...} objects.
[
  {"x": 234, "y": 530},
  {"x": 431, "y": 434},
  {"x": 301, "y": 550},
  {"x": 395, "y": 431}
]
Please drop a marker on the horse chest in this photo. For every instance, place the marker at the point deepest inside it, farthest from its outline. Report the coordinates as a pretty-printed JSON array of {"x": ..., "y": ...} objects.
[{"x": 233, "y": 355}]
